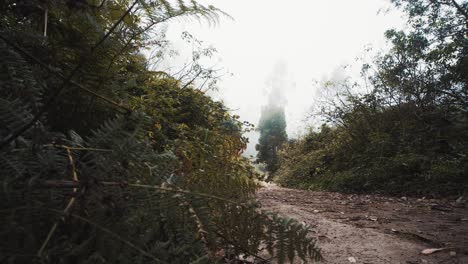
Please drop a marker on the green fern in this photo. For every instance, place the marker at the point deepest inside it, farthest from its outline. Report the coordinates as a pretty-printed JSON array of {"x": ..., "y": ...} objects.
[{"x": 86, "y": 184}]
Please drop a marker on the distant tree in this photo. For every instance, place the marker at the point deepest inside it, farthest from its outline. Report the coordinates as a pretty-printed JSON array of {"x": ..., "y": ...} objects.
[{"x": 272, "y": 128}]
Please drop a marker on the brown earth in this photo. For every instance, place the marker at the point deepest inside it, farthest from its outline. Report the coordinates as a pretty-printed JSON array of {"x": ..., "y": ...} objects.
[{"x": 374, "y": 228}]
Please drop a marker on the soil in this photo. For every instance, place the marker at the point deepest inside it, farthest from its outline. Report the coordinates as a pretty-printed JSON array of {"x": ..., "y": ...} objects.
[{"x": 376, "y": 229}]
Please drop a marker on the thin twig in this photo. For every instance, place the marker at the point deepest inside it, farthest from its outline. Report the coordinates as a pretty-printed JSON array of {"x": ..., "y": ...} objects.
[
  {"x": 214, "y": 197},
  {"x": 46, "y": 17},
  {"x": 64, "y": 183},
  {"x": 200, "y": 228},
  {"x": 136, "y": 34},
  {"x": 59, "y": 184},
  {"x": 67, "y": 208},
  {"x": 77, "y": 148},
  {"x": 192, "y": 80}
]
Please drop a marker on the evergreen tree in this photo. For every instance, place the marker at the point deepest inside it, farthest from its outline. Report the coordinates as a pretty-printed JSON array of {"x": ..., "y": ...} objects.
[{"x": 272, "y": 128}]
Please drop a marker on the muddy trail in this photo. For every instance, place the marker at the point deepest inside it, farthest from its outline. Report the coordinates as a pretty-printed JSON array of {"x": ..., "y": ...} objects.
[{"x": 376, "y": 229}]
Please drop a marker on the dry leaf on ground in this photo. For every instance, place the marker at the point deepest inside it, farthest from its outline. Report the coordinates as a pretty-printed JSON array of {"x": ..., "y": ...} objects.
[{"x": 429, "y": 251}]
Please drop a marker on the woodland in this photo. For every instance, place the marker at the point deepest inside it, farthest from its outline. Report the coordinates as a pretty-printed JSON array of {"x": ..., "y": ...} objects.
[
  {"x": 403, "y": 128},
  {"x": 104, "y": 159}
]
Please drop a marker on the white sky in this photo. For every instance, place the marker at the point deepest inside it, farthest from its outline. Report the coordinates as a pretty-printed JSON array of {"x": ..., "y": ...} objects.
[{"x": 313, "y": 37}]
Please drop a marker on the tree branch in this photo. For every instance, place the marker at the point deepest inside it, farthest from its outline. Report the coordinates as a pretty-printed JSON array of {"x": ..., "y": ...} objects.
[
  {"x": 460, "y": 9},
  {"x": 192, "y": 80}
]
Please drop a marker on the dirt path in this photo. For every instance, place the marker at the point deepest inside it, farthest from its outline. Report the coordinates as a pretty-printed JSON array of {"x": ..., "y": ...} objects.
[{"x": 376, "y": 229}]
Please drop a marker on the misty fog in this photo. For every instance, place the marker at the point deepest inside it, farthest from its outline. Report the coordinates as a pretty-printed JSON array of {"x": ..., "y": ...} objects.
[{"x": 284, "y": 54}]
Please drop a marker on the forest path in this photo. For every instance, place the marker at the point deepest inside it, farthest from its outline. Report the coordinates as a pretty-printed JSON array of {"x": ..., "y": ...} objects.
[{"x": 376, "y": 229}]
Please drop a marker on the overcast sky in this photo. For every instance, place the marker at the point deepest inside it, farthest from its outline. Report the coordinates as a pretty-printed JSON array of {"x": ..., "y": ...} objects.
[{"x": 312, "y": 38}]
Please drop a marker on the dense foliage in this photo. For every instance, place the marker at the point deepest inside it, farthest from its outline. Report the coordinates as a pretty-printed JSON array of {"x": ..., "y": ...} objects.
[
  {"x": 409, "y": 134},
  {"x": 272, "y": 128},
  {"x": 105, "y": 161}
]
